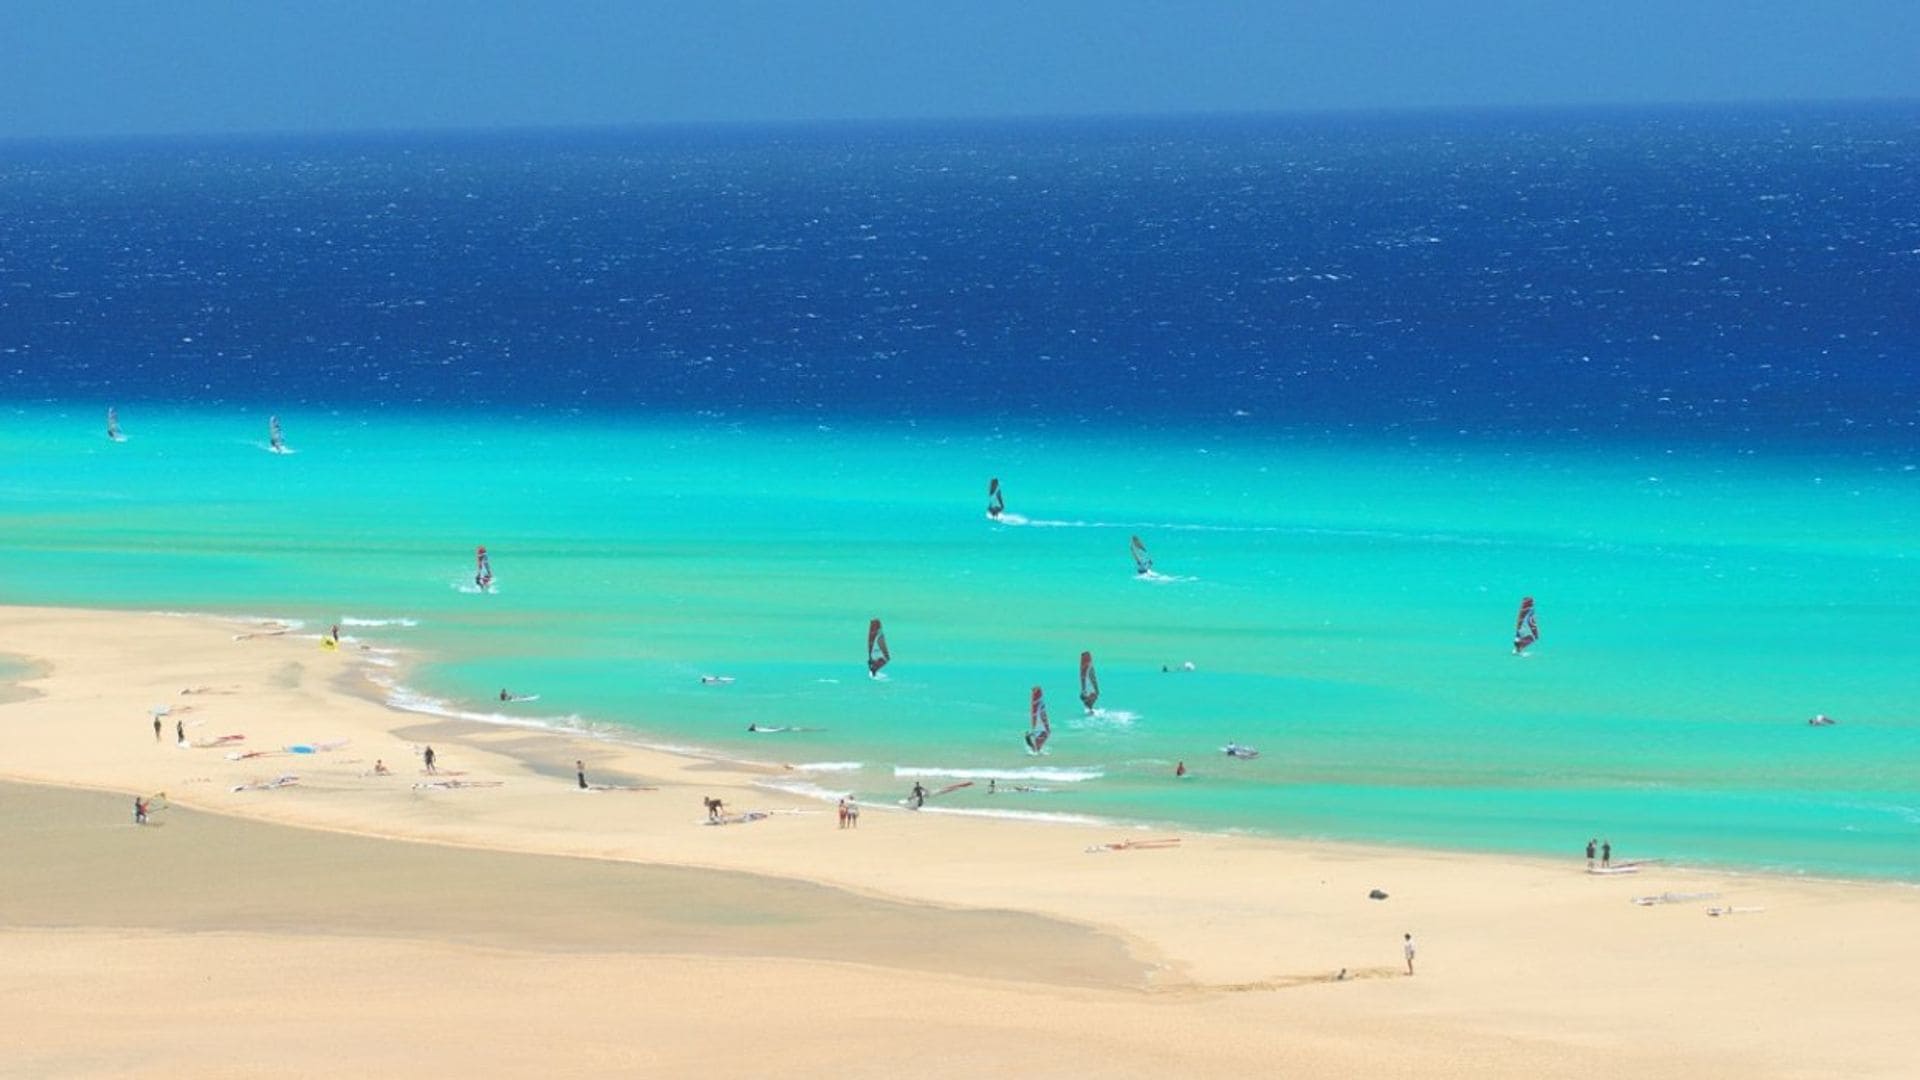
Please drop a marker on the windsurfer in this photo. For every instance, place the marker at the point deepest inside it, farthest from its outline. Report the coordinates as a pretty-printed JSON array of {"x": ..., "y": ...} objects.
[
  {"x": 1089, "y": 682},
  {"x": 877, "y": 653},
  {"x": 918, "y": 795},
  {"x": 1142, "y": 562},
  {"x": 1526, "y": 627}
]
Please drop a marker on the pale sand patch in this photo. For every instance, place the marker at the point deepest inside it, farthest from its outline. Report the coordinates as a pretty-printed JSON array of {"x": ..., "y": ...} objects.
[{"x": 1527, "y": 967}]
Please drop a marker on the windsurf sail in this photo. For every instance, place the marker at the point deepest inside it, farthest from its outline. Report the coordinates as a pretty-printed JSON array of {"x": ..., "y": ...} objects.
[
  {"x": 482, "y": 569},
  {"x": 996, "y": 502},
  {"x": 1141, "y": 560},
  {"x": 1526, "y": 628},
  {"x": 1089, "y": 682},
  {"x": 1039, "y": 730},
  {"x": 275, "y": 441},
  {"x": 877, "y": 654},
  {"x": 113, "y": 424}
]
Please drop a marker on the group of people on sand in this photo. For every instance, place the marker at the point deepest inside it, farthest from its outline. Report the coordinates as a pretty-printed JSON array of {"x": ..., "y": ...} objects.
[
  {"x": 1606, "y": 852},
  {"x": 849, "y": 813}
]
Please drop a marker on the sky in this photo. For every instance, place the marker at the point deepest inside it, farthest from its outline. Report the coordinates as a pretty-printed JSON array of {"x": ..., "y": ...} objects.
[{"x": 84, "y": 68}]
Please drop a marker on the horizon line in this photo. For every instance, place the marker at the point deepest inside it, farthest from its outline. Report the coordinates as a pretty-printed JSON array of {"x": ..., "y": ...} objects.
[{"x": 953, "y": 120}]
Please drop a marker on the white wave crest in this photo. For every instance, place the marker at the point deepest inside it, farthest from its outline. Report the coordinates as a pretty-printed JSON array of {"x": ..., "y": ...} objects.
[
  {"x": 803, "y": 789},
  {"x": 829, "y": 766},
  {"x": 351, "y": 620},
  {"x": 400, "y": 697},
  {"x": 1038, "y": 772},
  {"x": 1016, "y": 815}
]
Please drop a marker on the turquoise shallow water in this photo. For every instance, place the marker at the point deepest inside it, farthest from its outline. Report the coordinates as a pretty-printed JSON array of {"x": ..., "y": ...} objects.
[{"x": 1346, "y": 607}]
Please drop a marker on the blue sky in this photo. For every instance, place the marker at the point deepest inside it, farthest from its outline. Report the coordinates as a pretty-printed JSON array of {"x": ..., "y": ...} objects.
[{"x": 94, "y": 67}]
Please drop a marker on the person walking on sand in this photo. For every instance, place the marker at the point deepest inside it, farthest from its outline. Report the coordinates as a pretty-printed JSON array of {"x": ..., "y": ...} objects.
[
  {"x": 156, "y": 727},
  {"x": 428, "y": 759},
  {"x": 1590, "y": 844},
  {"x": 1406, "y": 949},
  {"x": 580, "y": 772},
  {"x": 180, "y": 732},
  {"x": 843, "y": 813},
  {"x": 1606, "y": 853},
  {"x": 919, "y": 795},
  {"x": 139, "y": 810},
  {"x": 853, "y": 813}
]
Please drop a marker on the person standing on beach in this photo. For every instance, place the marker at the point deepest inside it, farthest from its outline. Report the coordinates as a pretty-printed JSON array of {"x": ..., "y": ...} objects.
[
  {"x": 1606, "y": 853},
  {"x": 1590, "y": 843},
  {"x": 843, "y": 813},
  {"x": 428, "y": 758},
  {"x": 139, "y": 810},
  {"x": 156, "y": 727},
  {"x": 1406, "y": 949},
  {"x": 180, "y": 732},
  {"x": 853, "y": 813},
  {"x": 580, "y": 771}
]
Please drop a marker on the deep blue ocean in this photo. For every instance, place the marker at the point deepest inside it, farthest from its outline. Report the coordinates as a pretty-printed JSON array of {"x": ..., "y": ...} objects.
[
  {"x": 1699, "y": 275},
  {"x": 714, "y": 398}
]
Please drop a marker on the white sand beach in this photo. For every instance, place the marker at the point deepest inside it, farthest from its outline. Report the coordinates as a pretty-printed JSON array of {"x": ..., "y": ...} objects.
[{"x": 493, "y": 919}]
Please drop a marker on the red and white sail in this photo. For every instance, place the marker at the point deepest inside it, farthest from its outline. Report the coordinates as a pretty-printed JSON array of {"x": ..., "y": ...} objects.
[
  {"x": 1526, "y": 628},
  {"x": 1039, "y": 730},
  {"x": 996, "y": 501},
  {"x": 877, "y": 654},
  {"x": 1089, "y": 682},
  {"x": 1143, "y": 563},
  {"x": 482, "y": 569}
]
